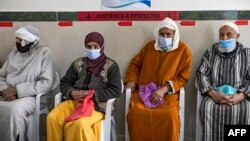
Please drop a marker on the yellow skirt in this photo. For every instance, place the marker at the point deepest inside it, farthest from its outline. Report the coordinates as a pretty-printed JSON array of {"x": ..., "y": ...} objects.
[{"x": 83, "y": 129}]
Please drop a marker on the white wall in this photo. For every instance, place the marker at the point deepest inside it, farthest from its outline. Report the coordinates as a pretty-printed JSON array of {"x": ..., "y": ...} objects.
[{"x": 93, "y": 5}]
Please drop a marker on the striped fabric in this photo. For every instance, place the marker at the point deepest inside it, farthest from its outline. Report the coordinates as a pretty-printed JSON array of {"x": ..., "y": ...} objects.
[{"x": 218, "y": 69}]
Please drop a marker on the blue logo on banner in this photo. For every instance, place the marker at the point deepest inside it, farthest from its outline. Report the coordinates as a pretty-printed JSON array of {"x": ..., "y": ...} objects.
[{"x": 124, "y": 3}]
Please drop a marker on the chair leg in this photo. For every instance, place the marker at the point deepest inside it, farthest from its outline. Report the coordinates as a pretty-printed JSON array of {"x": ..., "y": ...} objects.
[{"x": 113, "y": 130}]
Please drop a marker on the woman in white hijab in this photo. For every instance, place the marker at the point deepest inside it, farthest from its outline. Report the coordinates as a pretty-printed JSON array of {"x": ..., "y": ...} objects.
[
  {"x": 165, "y": 61},
  {"x": 28, "y": 70}
]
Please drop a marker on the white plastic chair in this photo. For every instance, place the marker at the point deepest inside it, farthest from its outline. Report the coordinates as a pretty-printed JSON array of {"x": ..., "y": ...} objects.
[
  {"x": 199, "y": 131},
  {"x": 181, "y": 113},
  {"x": 33, "y": 132},
  {"x": 108, "y": 129}
]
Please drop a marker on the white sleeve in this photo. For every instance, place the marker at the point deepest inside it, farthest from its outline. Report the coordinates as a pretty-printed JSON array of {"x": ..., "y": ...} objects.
[
  {"x": 44, "y": 82},
  {"x": 3, "y": 75}
]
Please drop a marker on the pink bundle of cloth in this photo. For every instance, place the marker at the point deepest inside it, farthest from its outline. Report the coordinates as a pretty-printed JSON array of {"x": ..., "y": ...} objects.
[
  {"x": 83, "y": 108},
  {"x": 145, "y": 92}
]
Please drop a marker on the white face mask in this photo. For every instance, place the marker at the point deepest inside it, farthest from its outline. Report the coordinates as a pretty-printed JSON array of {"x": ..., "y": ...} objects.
[
  {"x": 165, "y": 43},
  {"x": 93, "y": 54}
]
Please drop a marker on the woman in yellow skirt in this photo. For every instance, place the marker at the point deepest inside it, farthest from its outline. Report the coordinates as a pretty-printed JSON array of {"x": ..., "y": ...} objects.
[{"x": 94, "y": 73}]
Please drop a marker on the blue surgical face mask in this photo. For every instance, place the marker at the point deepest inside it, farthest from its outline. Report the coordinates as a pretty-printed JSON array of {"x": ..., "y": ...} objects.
[
  {"x": 227, "y": 43},
  {"x": 165, "y": 43},
  {"x": 227, "y": 89},
  {"x": 93, "y": 54}
]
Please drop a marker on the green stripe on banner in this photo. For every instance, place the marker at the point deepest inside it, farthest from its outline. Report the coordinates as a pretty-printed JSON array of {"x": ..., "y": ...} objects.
[
  {"x": 28, "y": 16},
  {"x": 209, "y": 15},
  {"x": 72, "y": 16},
  {"x": 244, "y": 15},
  {"x": 67, "y": 16}
]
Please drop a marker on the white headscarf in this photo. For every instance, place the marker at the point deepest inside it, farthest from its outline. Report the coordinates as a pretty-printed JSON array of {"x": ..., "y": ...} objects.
[
  {"x": 231, "y": 24},
  {"x": 169, "y": 23},
  {"x": 28, "y": 33}
]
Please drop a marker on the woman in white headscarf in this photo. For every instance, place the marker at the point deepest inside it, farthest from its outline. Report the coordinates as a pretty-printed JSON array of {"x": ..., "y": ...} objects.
[
  {"x": 224, "y": 81},
  {"x": 165, "y": 61},
  {"x": 28, "y": 70}
]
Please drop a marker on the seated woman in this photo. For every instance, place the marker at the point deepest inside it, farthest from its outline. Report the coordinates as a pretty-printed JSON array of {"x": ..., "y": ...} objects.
[
  {"x": 224, "y": 67},
  {"x": 94, "y": 73}
]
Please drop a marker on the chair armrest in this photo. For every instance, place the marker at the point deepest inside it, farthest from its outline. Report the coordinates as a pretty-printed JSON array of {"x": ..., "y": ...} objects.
[
  {"x": 127, "y": 101},
  {"x": 38, "y": 101},
  {"x": 109, "y": 110},
  {"x": 199, "y": 130},
  {"x": 58, "y": 98},
  {"x": 182, "y": 113},
  {"x": 127, "y": 98}
]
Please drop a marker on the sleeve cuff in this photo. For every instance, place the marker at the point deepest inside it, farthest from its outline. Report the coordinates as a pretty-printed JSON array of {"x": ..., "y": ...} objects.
[
  {"x": 96, "y": 96},
  {"x": 172, "y": 91},
  {"x": 24, "y": 90},
  {"x": 68, "y": 94}
]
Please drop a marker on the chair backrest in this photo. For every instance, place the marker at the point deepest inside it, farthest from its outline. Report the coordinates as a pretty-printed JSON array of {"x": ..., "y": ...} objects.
[
  {"x": 181, "y": 112},
  {"x": 199, "y": 131}
]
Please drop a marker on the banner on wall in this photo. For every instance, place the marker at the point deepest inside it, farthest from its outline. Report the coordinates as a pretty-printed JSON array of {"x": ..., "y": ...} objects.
[
  {"x": 126, "y": 4},
  {"x": 126, "y": 15}
]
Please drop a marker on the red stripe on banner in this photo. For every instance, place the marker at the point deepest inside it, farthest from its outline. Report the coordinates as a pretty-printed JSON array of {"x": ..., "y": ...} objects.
[
  {"x": 6, "y": 24},
  {"x": 241, "y": 22},
  {"x": 126, "y": 15},
  {"x": 187, "y": 23},
  {"x": 125, "y": 23},
  {"x": 65, "y": 23}
]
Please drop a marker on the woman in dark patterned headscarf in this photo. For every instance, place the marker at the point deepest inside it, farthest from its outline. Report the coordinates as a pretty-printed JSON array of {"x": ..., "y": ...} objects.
[
  {"x": 79, "y": 117},
  {"x": 94, "y": 44}
]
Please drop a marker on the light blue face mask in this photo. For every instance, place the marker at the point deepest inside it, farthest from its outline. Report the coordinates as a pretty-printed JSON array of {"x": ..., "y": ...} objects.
[
  {"x": 93, "y": 54},
  {"x": 227, "y": 89},
  {"x": 165, "y": 43},
  {"x": 227, "y": 43}
]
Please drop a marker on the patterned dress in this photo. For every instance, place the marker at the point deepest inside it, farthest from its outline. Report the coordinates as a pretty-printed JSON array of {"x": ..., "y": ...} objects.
[{"x": 218, "y": 69}]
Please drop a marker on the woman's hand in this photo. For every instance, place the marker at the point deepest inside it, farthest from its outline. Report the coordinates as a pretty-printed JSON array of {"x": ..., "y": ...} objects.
[
  {"x": 220, "y": 98},
  {"x": 79, "y": 94}
]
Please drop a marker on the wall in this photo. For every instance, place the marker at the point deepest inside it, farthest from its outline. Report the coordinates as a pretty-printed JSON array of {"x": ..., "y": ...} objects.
[{"x": 121, "y": 42}]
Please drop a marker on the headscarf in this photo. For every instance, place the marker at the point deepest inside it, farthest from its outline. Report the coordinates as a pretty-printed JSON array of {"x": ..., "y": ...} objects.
[
  {"x": 169, "y": 23},
  {"x": 28, "y": 33},
  {"x": 95, "y": 66},
  {"x": 232, "y": 25}
]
